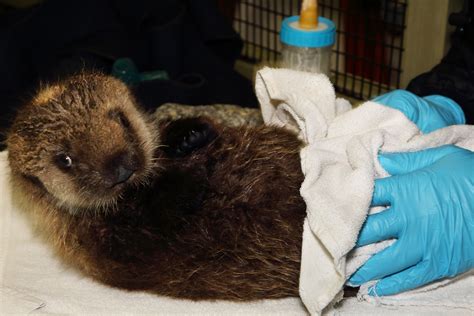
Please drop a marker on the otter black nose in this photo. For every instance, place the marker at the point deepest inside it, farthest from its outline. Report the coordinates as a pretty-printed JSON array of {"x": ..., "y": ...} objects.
[
  {"x": 120, "y": 168},
  {"x": 123, "y": 174}
]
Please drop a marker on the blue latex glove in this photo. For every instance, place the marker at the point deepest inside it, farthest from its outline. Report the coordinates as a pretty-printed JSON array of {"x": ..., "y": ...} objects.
[
  {"x": 428, "y": 113},
  {"x": 431, "y": 214}
]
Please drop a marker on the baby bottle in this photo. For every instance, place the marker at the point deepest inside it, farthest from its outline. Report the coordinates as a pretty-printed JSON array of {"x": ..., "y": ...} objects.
[{"x": 307, "y": 41}]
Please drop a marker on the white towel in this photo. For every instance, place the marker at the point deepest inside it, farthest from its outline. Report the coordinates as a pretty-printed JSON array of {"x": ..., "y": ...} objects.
[{"x": 340, "y": 164}]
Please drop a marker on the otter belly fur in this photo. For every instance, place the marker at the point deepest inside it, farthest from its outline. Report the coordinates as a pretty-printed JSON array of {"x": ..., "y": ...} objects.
[{"x": 188, "y": 209}]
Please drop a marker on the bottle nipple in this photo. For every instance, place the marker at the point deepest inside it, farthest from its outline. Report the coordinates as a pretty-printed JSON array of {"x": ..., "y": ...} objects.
[{"x": 309, "y": 14}]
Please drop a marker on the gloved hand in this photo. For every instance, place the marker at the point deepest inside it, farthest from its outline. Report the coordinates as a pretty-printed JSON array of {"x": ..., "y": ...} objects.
[
  {"x": 431, "y": 214},
  {"x": 428, "y": 113}
]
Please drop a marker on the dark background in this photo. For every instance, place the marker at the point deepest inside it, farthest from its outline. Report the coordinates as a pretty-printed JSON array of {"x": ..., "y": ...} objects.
[{"x": 192, "y": 40}]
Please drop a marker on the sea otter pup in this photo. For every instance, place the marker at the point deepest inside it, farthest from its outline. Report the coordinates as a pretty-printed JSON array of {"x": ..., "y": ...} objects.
[{"x": 188, "y": 209}]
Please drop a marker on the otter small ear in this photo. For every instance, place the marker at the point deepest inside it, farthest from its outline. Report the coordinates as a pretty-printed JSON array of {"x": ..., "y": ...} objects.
[{"x": 48, "y": 93}]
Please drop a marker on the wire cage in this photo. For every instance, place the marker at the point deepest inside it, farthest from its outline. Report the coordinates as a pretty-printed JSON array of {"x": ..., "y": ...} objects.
[{"x": 367, "y": 55}]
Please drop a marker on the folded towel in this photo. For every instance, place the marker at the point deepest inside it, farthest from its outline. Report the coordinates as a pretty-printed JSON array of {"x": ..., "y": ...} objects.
[{"x": 340, "y": 164}]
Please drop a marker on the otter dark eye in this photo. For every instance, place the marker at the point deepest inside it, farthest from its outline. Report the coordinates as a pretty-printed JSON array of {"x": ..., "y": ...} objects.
[
  {"x": 120, "y": 116},
  {"x": 123, "y": 120},
  {"x": 64, "y": 161}
]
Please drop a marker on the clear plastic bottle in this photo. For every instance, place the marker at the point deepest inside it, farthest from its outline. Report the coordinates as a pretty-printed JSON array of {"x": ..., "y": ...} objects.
[{"x": 307, "y": 50}]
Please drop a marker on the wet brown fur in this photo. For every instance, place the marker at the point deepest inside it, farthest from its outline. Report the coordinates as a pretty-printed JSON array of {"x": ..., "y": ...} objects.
[{"x": 224, "y": 222}]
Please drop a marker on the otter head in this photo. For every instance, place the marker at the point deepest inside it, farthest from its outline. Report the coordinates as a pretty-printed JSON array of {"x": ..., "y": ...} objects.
[{"x": 82, "y": 142}]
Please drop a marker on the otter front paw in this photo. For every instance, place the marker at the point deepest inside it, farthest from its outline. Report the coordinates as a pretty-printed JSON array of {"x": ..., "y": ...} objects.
[{"x": 183, "y": 136}]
